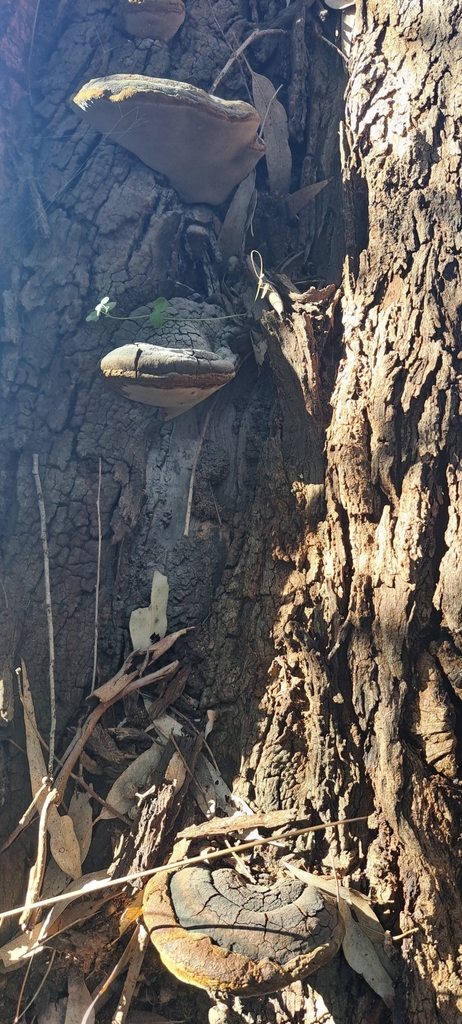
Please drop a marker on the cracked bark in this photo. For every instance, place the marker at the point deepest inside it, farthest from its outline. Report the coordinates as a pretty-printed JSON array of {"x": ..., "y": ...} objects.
[{"x": 331, "y": 621}]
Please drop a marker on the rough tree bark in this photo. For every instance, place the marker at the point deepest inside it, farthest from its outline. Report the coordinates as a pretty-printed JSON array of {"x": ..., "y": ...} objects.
[{"x": 328, "y": 618}]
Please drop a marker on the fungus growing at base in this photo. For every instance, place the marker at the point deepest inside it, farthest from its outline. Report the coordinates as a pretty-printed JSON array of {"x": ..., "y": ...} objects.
[
  {"x": 204, "y": 145},
  {"x": 151, "y": 19},
  {"x": 215, "y": 931}
]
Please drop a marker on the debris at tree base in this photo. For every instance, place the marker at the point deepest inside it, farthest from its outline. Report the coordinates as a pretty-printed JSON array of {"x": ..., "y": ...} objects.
[{"x": 306, "y": 922}]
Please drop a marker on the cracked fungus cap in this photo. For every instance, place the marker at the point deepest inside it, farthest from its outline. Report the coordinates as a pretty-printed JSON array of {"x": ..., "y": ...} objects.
[
  {"x": 171, "y": 379},
  {"x": 204, "y": 145},
  {"x": 151, "y": 19},
  {"x": 215, "y": 931}
]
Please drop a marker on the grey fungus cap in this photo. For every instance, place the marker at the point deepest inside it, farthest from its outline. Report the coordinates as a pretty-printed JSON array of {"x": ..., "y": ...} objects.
[
  {"x": 172, "y": 379},
  {"x": 151, "y": 19},
  {"x": 204, "y": 145}
]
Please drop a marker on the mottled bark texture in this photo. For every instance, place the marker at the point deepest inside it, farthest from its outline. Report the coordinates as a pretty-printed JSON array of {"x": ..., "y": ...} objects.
[{"x": 328, "y": 623}]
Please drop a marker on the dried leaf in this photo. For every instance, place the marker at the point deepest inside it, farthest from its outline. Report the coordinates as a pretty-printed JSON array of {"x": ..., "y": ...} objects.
[
  {"x": 79, "y": 999},
  {"x": 35, "y": 758},
  {"x": 275, "y": 132},
  {"x": 64, "y": 845},
  {"x": 20, "y": 948},
  {"x": 63, "y": 842},
  {"x": 298, "y": 200},
  {"x": 81, "y": 813},
  {"x": 131, "y": 913},
  {"x": 79, "y": 887},
  {"x": 232, "y": 235},
  {"x": 146, "y": 621},
  {"x": 54, "y": 1013},
  {"x": 122, "y": 794},
  {"x": 361, "y": 955}
]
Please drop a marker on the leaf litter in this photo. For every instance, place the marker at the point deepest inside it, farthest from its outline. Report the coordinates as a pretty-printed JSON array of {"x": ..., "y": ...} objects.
[{"x": 139, "y": 786}]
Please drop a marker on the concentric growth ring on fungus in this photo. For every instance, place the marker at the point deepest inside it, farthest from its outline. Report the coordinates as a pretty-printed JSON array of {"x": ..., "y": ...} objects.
[{"x": 215, "y": 931}]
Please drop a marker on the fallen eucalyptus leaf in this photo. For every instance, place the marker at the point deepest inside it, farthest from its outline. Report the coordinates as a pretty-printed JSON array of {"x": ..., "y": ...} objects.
[
  {"x": 122, "y": 794},
  {"x": 232, "y": 234},
  {"x": 296, "y": 201},
  {"x": 361, "y": 955},
  {"x": 146, "y": 621},
  {"x": 275, "y": 131},
  {"x": 64, "y": 846},
  {"x": 19, "y": 948},
  {"x": 79, "y": 887},
  {"x": 79, "y": 998},
  {"x": 81, "y": 813},
  {"x": 54, "y": 1013}
]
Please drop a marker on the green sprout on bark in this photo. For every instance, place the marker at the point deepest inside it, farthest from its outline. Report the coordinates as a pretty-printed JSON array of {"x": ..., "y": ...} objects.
[{"x": 157, "y": 318}]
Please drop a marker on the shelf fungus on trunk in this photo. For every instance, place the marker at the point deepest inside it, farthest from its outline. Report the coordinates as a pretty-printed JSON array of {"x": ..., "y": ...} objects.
[
  {"x": 151, "y": 19},
  {"x": 220, "y": 933},
  {"x": 204, "y": 145},
  {"x": 177, "y": 366}
]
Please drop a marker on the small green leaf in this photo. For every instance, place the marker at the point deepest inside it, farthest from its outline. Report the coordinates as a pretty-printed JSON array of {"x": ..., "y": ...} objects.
[
  {"x": 109, "y": 306},
  {"x": 161, "y": 304},
  {"x": 91, "y": 316},
  {"x": 156, "y": 319}
]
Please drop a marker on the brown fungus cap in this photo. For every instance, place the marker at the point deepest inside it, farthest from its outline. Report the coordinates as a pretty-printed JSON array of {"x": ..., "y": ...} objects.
[
  {"x": 151, "y": 19},
  {"x": 203, "y": 144},
  {"x": 171, "y": 379}
]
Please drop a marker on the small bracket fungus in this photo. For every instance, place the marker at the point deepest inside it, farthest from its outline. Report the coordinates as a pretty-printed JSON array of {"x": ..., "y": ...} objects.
[
  {"x": 204, "y": 145},
  {"x": 215, "y": 931},
  {"x": 151, "y": 19},
  {"x": 190, "y": 361}
]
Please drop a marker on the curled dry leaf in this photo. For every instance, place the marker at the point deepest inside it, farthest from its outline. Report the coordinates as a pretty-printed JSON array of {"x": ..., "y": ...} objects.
[
  {"x": 122, "y": 795},
  {"x": 275, "y": 132}
]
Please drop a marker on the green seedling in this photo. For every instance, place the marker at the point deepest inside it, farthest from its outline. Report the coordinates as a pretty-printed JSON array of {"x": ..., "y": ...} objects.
[{"x": 157, "y": 318}]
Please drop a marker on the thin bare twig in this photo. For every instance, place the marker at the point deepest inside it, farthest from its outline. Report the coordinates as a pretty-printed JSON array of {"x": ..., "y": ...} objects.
[
  {"x": 21, "y": 991},
  {"x": 176, "y": 865},
  {"x": 42, "y": 982},
  {"x": 193, "y": 471},
  {"x": 98, "y": 579},
  {"x": 51, "y": 642},
  {"x": 250, "y": 39}
]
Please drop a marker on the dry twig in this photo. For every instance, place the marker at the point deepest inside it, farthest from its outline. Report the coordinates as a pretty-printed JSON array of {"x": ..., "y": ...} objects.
[
  {"x": 186, "y": 862},
  {"x": 98, "y": 579},
  {"x": 257, "y": 34},
  {"x": 51, "y": 642}
]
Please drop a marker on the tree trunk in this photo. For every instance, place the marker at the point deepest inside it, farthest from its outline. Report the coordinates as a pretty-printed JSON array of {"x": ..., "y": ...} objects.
[{"x": 321, "y": 567}]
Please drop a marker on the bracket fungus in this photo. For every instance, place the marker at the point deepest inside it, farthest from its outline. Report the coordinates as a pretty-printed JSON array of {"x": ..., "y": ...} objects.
[
  {"x": 151, "y": 19},
  {"x": 204, "y": 145},
  {"x": 190, "y": 361},
  {"x": 217, "y": 932}
]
